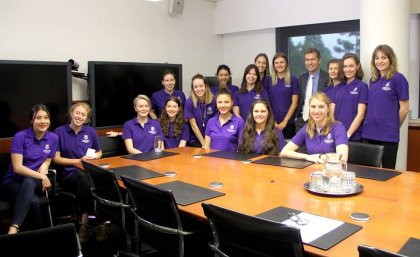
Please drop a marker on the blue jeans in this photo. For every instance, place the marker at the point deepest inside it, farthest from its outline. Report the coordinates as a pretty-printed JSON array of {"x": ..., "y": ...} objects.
[{"x": 24, "y": 195}]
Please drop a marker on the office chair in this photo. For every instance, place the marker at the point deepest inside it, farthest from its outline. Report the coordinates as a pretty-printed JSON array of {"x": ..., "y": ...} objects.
[
  {"x": 108, "y": 198},
  {"x": 111, "y": 146},
  {"x": 159, "y": 224},
  {"x": 365, "y": 154},
  {"x": 370, "y": 251},
  {"x": 237, "y": 234},
  {"x": 55, "y": 241}
]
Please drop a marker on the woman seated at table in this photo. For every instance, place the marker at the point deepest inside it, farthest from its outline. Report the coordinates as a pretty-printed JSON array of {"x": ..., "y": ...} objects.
[
  {"x": 320, "y": 135},
  {"x": 31, "y": 152},
  {"x": 78, "y": 141},
  {"x": 139, "y": 133},
  {"x": 223, "y": 130},
  {"x": 174, "y": 127},
  {"x": 260, "y": 134}
]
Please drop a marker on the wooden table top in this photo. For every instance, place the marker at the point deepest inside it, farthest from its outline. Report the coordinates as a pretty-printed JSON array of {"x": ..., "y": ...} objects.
[{"x": 394, "y": 205}]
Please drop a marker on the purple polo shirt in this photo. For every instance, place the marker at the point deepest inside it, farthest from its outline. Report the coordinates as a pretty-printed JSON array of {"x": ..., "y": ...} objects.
[
  {"x": 329, "y": 91},
  {"x": 143, "y": 137},
  {"x": 201, "y": 114},
  {"x": 382, "y": 120},
  {"x": 33, "y": 151},
  {"x": 159, "y": 98},
  {"x": 245, "y": 100},
  {"x": 346, "y": 98},
  {"x": 225, "y": 137},
  {"x": 259, "y": 147},
  {"x": 171, "y": 141},
  {"x": 321, "y": 143},
  {"x": 75, "y": 146},
  {"x": 281, "y": 97},
  {"x": 232, "y": 89}
]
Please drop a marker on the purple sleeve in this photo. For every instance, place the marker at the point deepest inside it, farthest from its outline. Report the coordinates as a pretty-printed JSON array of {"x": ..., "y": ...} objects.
[
  {"x": 265, "y": 96},
  {"x": 299, "y": 138},
  {"x": 185, "y": 132},
  {"x": 188, "y": 110},
  {"x": 126, "y": 131},
  {"x": 236, "y": 98},
  {"x": 17, "y": 143},
  {"x": 154, "y": 102},
  {"x": 364, "y": 92},
  {"x": 401, "y": 84},
  {"x": 295, "y": 86},
  {"x": 53, "y": 145},
  {"x": 340, "y": 134},
  {"x": 209, "y": 125},
  {"x": 282, "y": 141},
  {"x": 95, "y": 144},
  {"x": 183, "y": 99}
]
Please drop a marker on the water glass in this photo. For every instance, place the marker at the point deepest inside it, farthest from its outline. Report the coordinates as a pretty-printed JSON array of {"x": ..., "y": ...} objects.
[
  {"x": 349, "y": 182},
  {"x": 158, "y": 144},
  {"x": 334, "y": 185},
  {"x": 316, "y": 181}
]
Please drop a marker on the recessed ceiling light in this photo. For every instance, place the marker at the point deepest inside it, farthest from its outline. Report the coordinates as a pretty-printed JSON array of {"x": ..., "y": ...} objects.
[{"x": 153, "y": 0}]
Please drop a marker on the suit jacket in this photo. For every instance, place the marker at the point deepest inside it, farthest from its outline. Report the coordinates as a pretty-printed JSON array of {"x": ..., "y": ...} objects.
[{"x": 303, "y": 81}]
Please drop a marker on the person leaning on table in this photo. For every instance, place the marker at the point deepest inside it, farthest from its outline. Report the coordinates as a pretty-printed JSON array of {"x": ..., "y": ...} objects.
[{"x": 320, "y": 135}]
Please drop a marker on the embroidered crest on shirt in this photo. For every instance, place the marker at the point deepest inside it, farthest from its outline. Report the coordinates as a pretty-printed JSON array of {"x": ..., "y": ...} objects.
[
  {"x": 354, "y": 91},
  {"x": 85, "y": 139},
  {"x": 257, "y": 96},
  {"x": 231, "y": 129},
  {"x": 329, "y": 139},
  {"x": 210, "y": 110},
  {"x": 387, "y": 87},
  {"x": 47, "y": 149},
  {"x": 152, "y": 131},
  {"x": 287, "y": 85}
]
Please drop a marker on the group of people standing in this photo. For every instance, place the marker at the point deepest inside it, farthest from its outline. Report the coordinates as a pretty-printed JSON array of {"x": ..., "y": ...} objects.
[{"x": 319, "y": 110}]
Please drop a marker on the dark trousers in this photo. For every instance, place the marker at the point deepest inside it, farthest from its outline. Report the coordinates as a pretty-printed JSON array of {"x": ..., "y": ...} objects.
[
  {"x": 79, "y": 183},
  {"x": 299, "y": 123},
  {"x": 24, "y": 194},
  {"x": 289, "y": 131},
  {"x": 389, "y": 159}
]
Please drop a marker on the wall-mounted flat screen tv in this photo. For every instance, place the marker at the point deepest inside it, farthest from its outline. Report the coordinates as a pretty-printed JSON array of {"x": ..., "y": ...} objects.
[
  {"x": 114, "y": 85},
  {"x": 26, "y": 83}
]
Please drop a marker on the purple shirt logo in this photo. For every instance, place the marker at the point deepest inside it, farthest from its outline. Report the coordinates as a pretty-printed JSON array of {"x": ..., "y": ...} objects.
[
  {"x": 386, "y": 87},
  {"x": 257, "y": 96},
  {"x": 287, "y": 85},
  {"x": 47, "y": 149},
  {"x": 86, "y": 139},
  {"x": 210, "y": 110},
  {"x": 231, "y": 129},
  {"x": 329, "y": 139},
  {"x": 354, "y": 91},
  {"x": 152, "y": 131}
]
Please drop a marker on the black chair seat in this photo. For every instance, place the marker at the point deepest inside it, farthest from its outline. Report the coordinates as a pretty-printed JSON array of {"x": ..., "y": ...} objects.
[
  {"x": 370, "y": 251},
  {"x": 365, "y": 154}
]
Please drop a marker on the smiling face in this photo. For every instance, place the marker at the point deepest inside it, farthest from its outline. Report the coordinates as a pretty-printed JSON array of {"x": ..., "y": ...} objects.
[
  {"x": 41, "y": 122},
  {"x": 260, "y": 113},
  {"x": 350, "y": 69},
  {"x": 382, "y": 62},
  {"x": 142, "y": 108},
  {"x": 333, "y": 70},
  {"x": 251, "y": 77},
  {"x": 172, "y": 109},
  {"x": 261, "y": 63},
  {"x": 280, "y": 65},
  {"x": 199, "y": 87},
  {"x": 168, "y": 83},
  {"x": 224, "y": 103},
  {"x": 78, "y": 116},
  {"x": 223, "y": 76},
  {"x": 312, "y": 62},
  {"x": 319, "y": 110}
]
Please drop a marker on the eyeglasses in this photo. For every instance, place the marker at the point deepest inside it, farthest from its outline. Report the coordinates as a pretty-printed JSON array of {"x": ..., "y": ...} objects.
[{"x": 297, "y": 219}]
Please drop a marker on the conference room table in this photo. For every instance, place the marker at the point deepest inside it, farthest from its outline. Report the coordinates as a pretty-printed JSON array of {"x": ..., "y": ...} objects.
[{"x": 393, "y": 205}]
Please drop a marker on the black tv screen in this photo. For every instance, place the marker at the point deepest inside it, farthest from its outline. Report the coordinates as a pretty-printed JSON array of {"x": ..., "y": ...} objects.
[
  {"x": 26, "y": 83},
  {"x": 114, "y": 85}
]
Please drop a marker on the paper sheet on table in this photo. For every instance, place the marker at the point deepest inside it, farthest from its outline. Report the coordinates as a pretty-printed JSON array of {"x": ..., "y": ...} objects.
[{"x": 316, "y": 226}]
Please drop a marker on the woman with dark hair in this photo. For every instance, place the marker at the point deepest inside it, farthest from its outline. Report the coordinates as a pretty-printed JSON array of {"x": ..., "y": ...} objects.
[
  {"x": 173, "y": 125},
  {"x": 251, "y": 90},
  {"x": 388, "y": 104},
  {"x": 199, "y": 108},
  {"x": 223, "y": 75},
  {"x": 261, "y": 60},
  {"x": 78, "y": 141},
  {"x": 260, "y": 134},
  {"x": 322, "y": 134},
  {"x": 223, "y": 131},
  {"x": 283, "y": 90},
  {"x": 158, "y": 98},
  {"x": 31, "y": 152},
  {"x": 335, "y": 77},
  {"x": 350, "y": 98}
]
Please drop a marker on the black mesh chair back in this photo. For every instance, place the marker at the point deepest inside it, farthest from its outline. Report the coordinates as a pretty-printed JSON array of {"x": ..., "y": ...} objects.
[
  {"x": 239, "y": 235},
  {"x": 112, "y": 146},
  {"x": 156, "y": 212},
  {"x": 369, "y": 251},
  {"x": 55, "y": 241},
  {"x": 365, "y": 154}
]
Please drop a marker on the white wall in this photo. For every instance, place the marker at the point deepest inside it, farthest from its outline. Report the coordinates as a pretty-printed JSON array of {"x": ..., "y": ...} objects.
[{"x": 109, "y": 30}]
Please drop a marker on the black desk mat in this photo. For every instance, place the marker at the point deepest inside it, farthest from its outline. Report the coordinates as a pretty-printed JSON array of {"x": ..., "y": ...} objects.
[
  {"x": 232, "y": 155},
  {"x": 411, "y": 248},
  {"x": 284, "y": 162},
  {"x": 148, "y": 156},
  {"x": 372, "y": 173},
  {"x": 324, "y": 242},
  {"x": 135, "y": 172},
  {"x": 186, "y": 194}
]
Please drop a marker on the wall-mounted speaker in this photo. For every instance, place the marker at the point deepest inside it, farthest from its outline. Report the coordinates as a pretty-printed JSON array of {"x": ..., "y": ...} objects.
[{"x": 176, "y": 6}]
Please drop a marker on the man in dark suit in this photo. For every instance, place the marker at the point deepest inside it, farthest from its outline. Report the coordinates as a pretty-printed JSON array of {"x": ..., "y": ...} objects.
[{"x": 319, "y": 80}]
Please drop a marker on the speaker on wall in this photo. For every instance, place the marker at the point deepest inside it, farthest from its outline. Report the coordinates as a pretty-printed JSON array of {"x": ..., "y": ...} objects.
[{"x": 176, "y": 6}]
